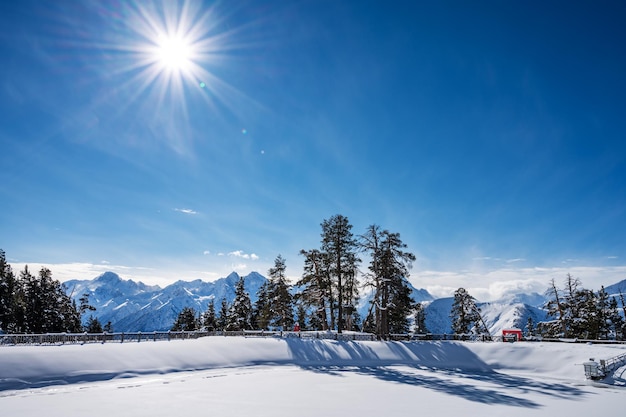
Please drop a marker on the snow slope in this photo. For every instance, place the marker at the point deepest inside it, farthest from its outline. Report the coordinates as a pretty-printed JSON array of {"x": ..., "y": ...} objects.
[{"x": 284, "y": 377}]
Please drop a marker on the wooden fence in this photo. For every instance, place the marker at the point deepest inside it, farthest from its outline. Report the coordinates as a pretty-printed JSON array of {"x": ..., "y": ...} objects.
[{"x": 125, "y": 337}]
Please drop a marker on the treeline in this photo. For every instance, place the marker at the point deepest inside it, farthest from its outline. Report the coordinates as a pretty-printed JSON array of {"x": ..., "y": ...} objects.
[
  {"x": 326, "y": 295},
  {"x": 39, "y": 304},
  {"x": 581, "y": 313},
  {"x": 577, "y": 313}
]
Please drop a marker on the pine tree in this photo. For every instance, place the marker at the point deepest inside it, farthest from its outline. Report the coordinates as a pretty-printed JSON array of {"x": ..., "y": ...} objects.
[
  {"x": 93, "y": 325},
  {"x": 574, "y": 303},
  {"x": 603, "y": 321},
  {"x": 47, "y": 307},
  {"x": 388, "y": 271},
  {"x": 465, "y": 314},
  {"x": 209, "y": 320},
  {"x": 316, "y": 288},
  {"x": 84, "y": 304},
  {"x": 108, "y": 328},
  {"x": 616, "y": 320},
  {"x": 240, "y": 314},
  {"x": 8, "y": 296},
  {"x": 301, "y": 316},
  {"x": 186, "y": 321},
  {"x": 339, "y": 244},
  {"x": 281, "y": 301},
  {"x": 222, "y": 319},
  {"x": 420, "y": 319},
  {"x": 556, "y": 308},
  {"x": 530, "y": 327},
  {"x": 262, "y": 314}
]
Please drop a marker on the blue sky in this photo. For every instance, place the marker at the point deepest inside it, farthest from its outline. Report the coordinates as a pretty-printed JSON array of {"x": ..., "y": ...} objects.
[{"x": 489, "y": 135}]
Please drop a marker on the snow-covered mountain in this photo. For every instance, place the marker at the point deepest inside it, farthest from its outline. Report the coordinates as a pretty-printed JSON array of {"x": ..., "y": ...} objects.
[
  {"x": 615, "y": 289},
  {"x": 131, "y": 306},
  {"x": 134, "y": 306},
  {"x": 510, "y": 312}
]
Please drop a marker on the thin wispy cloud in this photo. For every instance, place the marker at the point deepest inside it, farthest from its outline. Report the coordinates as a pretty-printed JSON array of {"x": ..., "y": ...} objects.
[
  {"x": 514, "y": 260},
  {"x": 185, "y": 211},
  {"x": 243, "y": 255}
]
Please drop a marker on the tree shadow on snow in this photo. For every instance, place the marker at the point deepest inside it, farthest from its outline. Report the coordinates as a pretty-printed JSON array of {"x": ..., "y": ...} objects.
[{"x": 449, "y": 368}]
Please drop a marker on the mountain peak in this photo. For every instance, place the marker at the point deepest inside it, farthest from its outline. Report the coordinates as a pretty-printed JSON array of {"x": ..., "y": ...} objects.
[
  {"x": 233, "y": 276},
  {"x": 108, "y": 278}
]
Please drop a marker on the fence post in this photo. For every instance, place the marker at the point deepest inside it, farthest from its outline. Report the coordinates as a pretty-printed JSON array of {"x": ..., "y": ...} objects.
[{"x": 138, "y": 337}]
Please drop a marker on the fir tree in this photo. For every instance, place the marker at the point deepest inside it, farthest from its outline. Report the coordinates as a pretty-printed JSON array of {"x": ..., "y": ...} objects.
[
  {"x": 186, "y": 321},
  {"x": 8, "y": 296},
  {"x": 339, "y": 244},
  {"x": 209, "y": 320},
  {"x": 530, "y": 327},
  {"x": 262, "y": 313},
  {"x": 616, "y": 319},
  {"x": 301, "y": 316},
  {"x": 84, "y": 304},
  {"x": 93, "y": 325},
  {"x": 388, "y": 271},
  {"x": 556, "y": 308},
  {"x": 222, "y": 319},
  {"x": 316, "y": 288},
  {"x": 465, "y": 314},
  {"x": 240, "y": 314},
  {"x": 420, "y": 319},
  {"x": 281, "y": 301}
]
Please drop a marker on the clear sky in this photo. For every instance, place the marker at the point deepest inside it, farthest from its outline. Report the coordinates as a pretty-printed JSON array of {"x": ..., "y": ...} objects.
[{"x": 187, "y": 140}]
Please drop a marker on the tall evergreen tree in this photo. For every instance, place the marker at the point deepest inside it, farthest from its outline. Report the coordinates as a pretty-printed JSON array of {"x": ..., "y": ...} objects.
[
  {"x": 93, "y": 325},
  {"x": 616, "y": 319},
  {"x": 47, "y": 307},
  {"x": 187, "y": 320},
  {"x": 465, "y": 314},
  {"x": 420, "y": 319},
  {"x": 574, "y": 303},
  {"x": 316, "y": 288},
  {"x": 84, "y": 304},
  {"x": 222, "y": 319},
  {"x": 530, "y": 327},
  {"x": 108, "y": 327},
  {"x": 281, "y": 301},
  {"x": 388, "y": 272},
  {"x": 8, "y": 296},
  {"x": 339, "y": 244},
  {"x": 240, "y": 314},
  {"x": 301, "y": 316},
  {"x": 209, "y": 319},
  {"x": 555, "y": 308},
  {"x": 262, "y": 314}
]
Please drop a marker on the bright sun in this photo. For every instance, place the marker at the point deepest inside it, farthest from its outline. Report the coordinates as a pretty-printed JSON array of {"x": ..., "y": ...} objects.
[{"x": 174, "y": 53}]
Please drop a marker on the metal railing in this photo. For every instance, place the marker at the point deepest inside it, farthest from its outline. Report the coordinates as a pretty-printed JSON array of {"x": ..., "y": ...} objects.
[{"x": 125, "y": 337}]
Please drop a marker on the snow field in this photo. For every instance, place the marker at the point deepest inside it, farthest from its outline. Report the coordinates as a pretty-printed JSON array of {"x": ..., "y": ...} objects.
[{"x": 285, "y": 377}]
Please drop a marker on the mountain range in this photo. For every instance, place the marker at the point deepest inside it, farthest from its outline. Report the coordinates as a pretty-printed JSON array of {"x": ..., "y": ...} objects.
[{"x": 134, "y": 306}]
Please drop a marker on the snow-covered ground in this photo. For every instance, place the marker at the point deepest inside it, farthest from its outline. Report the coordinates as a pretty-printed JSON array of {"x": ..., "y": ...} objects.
[{"x": 286, "y": 377}]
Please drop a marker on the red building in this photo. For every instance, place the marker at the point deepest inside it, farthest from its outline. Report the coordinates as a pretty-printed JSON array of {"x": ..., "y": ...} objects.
[{"x": 511, "y": 335}]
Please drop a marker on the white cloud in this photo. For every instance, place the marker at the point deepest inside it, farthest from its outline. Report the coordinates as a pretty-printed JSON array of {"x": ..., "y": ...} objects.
[
  {"x": 206, "y": 252},
  {"x": 243, "y": 255},
  {"x": 494, "y": 284},
  {"x": 239, "y": 267},
  {"x": 510, "y": 261},
  {"x": 185, "y": 211}
]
